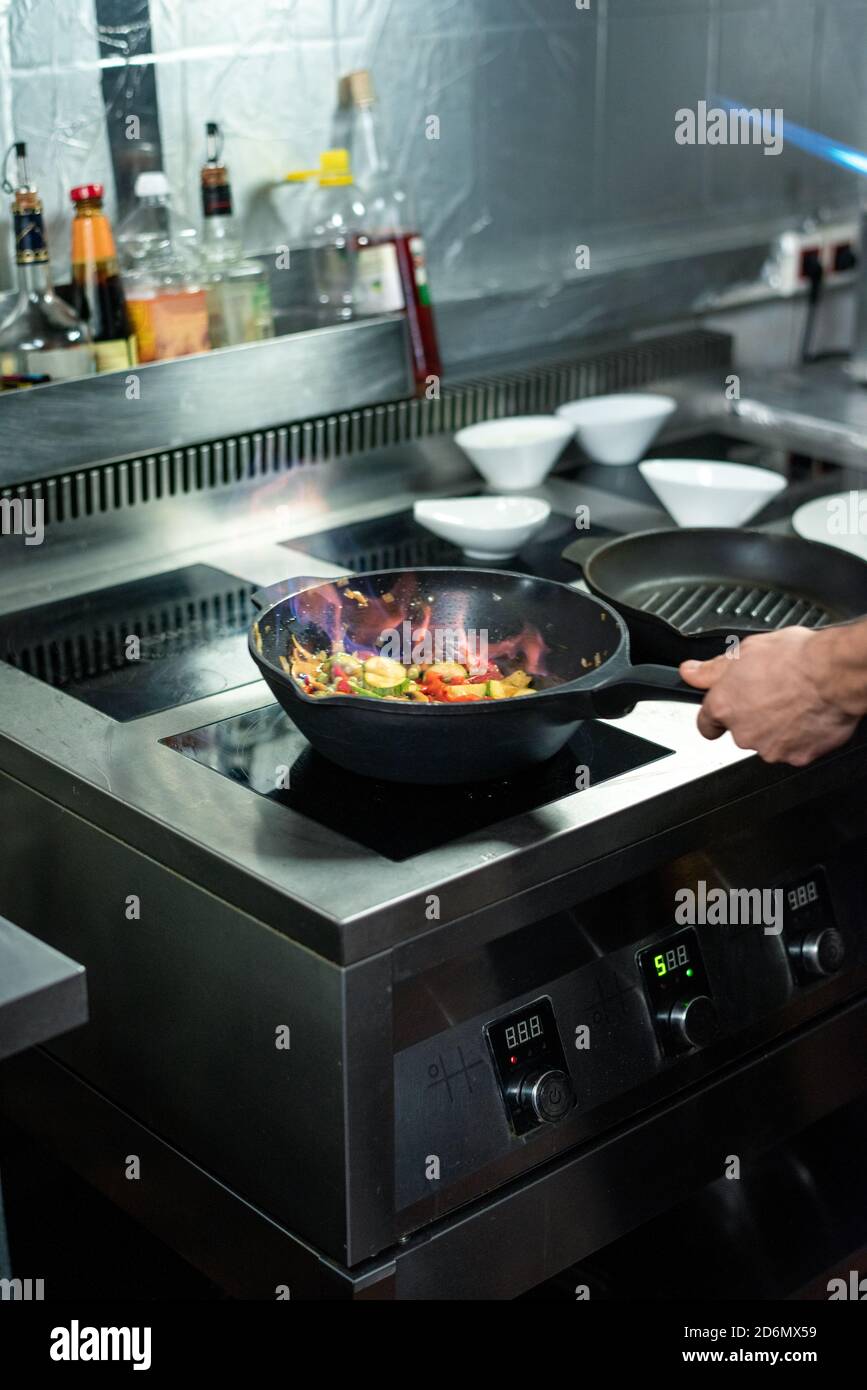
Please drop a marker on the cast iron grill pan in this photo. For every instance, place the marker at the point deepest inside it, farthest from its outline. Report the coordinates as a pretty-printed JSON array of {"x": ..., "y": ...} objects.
[{"x": 685, "y": 591}]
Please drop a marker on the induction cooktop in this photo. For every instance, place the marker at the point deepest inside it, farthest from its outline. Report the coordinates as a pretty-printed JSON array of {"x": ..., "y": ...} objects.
[
  {"x": 262, "y": 750},
  {"x": 399, "y": 542},
  {"x": 133, "y": 649}
]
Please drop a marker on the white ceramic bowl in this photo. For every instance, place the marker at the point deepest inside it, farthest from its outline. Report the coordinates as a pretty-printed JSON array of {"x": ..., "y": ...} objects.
[
  {"x": 515, "y": 453},
  {"x": 698, "y": 492},
  {"x": 617, "y": 429},
  {"x": 485, "y": 528},
  {"x": 839, "y": 520}
]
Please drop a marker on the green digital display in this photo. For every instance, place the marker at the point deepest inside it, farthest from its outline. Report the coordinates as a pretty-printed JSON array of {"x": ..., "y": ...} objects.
[
  {"x": 675, "y": 958},
  {"x": 673, "y": 969}
]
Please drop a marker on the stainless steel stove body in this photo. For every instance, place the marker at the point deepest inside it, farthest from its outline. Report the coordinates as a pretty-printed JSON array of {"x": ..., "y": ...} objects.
[{"x": 449, "y": 1070}]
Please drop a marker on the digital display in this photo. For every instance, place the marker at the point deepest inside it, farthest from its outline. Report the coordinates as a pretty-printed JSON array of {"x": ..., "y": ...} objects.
[
  {"x": 516, "y": 1034},
  {"x": 807, "y": 902},
  {"x": 521, "y": 1037},
  {"x": 524, "y": 1043},
  {"x": 666, "y": 962},
  {"x": 802, "y": 895},
  {"x": 673, "y": 970}
]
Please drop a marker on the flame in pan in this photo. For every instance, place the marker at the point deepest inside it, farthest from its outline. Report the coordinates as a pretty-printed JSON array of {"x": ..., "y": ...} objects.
[{"x": 351, "y": 615}]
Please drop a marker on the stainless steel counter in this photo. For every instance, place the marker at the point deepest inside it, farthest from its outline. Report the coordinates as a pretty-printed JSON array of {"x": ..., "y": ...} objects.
[
  {"x": 283, "y": 867},
  {"x": 816, "y": 410},
  {"x": 42, "y": 992}
]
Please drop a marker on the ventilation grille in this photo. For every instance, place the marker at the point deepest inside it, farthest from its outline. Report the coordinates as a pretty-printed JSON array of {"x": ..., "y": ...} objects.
[
  {"x": 401, "y": 555},
  {"x": 221, "y": 463}
]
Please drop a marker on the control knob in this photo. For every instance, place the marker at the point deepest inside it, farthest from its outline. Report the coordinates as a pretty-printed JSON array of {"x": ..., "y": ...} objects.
[
  {"x": 820, "y": 952},
  {"x": 692, "y": 1022},
  {"x": 548, "y": 1093}
]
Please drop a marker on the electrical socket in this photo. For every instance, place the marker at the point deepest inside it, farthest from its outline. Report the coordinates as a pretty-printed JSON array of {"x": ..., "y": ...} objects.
[{"x": 833, "y": 242}]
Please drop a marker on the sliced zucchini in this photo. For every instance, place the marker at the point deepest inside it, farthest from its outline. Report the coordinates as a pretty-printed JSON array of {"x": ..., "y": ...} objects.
[
  {"x": 393, "y": 692},
  {"x": 447, "y": 670},
  {"x": 384, "y": 676},
  {"x": 519, "y": 679}
]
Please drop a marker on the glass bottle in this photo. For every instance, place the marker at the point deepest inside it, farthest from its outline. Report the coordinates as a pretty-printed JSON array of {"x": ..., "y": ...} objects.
[
  {"x": 165, "y": 292},
  {"x": 98, "y": 294},
  {"x": 41, "y": 335},
  {"x": 398, "y": 279},
  {"x": 239, "y": 300},
  {"x": 337, "y": 218}
]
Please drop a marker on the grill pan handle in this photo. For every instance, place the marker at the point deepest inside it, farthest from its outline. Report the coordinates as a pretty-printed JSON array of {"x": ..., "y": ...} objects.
[
  {"x": 642, "y": 683},
  {"x": 273, "y": 593},
  {"x": 582, "y": 551}
]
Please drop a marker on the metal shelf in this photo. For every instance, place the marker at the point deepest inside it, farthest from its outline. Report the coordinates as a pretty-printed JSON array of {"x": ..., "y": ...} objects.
[{"x": 170, "y": 405}]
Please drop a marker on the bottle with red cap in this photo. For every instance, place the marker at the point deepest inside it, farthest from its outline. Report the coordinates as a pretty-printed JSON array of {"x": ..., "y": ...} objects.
[{"x": 98, "y": 292}]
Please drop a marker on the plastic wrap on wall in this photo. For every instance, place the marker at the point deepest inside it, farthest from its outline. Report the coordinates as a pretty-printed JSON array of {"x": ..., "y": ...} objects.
[
  {"x": 52, "y": 98},
  {"x": 536, "y": 136}
]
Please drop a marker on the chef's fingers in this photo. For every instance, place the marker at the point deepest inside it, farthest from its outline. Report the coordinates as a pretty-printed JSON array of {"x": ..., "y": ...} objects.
[
  {"x": 704, "y": 674},
  {"x": 708, "y": 725}
]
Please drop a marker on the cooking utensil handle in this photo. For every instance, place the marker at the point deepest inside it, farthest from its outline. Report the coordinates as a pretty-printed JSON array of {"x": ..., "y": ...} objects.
[
  {"x": 581, "y": 551},
  {"x": 273, "y": 593},
  {"x": 643, "y": 683}
]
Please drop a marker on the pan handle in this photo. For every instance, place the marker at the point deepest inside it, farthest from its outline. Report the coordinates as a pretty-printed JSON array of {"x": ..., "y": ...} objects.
[
  {"x": 273, "y": 593},
  {"x": 580, "y": 552},
  {"x": 643, "y": 683}
]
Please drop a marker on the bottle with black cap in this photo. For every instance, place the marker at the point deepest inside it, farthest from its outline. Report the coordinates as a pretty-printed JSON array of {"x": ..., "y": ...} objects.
[
  {"x": 239, "y": 300},
  {"x": 42, "y": 335}
]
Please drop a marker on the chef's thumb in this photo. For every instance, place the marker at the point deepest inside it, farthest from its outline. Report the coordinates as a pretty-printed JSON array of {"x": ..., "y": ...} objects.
[{"x": 702, "y": 674}]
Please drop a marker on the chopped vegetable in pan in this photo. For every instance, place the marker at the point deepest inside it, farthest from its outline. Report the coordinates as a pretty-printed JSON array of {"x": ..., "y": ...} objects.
[{"x": 382, "y": 678}]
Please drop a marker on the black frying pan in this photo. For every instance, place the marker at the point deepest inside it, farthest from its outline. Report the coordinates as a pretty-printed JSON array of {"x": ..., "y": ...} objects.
[
  {"x": 452, "y": 744},
  {"x": 685, "y": 591}
]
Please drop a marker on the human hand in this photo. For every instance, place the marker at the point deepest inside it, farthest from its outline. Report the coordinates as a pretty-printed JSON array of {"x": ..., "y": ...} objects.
[{"x": 774, "y": 694}]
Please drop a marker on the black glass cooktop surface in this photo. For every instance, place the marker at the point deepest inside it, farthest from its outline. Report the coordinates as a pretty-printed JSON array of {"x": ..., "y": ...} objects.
[
  {"x": 398, "y": 542},
  {"x": 259, "y": 750},
  {"x": 133, "y": 649}
]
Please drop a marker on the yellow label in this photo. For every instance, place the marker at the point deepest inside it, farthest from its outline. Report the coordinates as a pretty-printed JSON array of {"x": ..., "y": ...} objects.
[
  {"x": 142, "y": 321},
  {"x": 116, "y": 354}
]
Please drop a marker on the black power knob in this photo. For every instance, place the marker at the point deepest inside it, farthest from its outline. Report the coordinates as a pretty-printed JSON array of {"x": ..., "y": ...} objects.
[
  {"x": 820, "y": 952},
  {"x": 547, "y": 1093},
  {"x": 692, "y": 1022}
]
